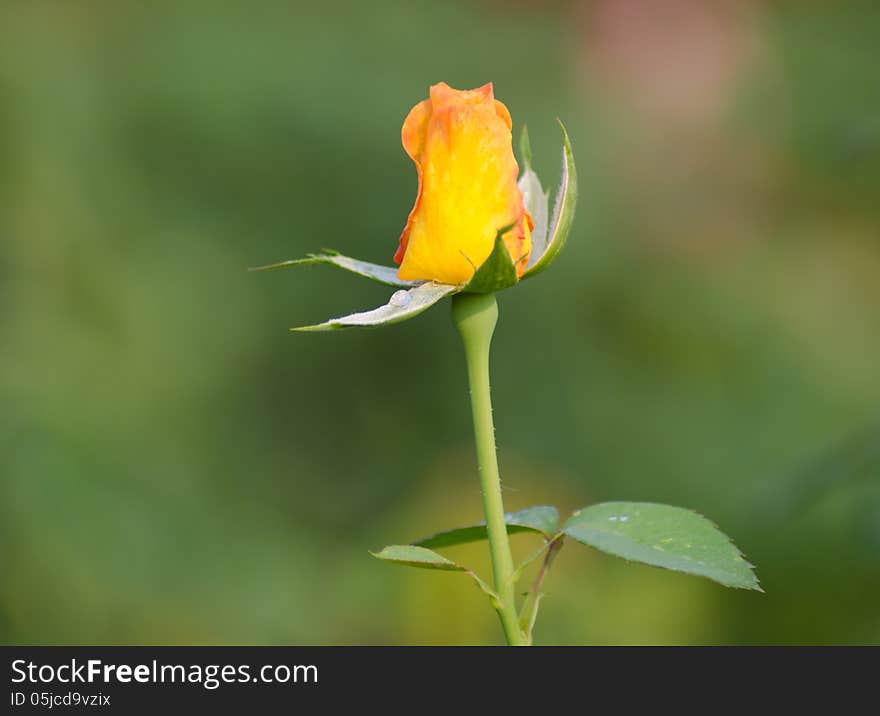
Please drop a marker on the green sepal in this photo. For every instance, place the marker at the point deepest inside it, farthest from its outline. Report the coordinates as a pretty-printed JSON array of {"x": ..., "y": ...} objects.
[
  {"x": 402, "y": 306},
  {"x": 525, "y": 147},
  {"x": 563, "y": 212},
  {"x": 497, "y": 272},
  {"x": 375, "y": 272},
  {"x": 535, "y": 199}
]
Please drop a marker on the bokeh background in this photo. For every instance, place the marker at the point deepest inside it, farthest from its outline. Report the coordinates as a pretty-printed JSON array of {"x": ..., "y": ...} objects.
[{"x": 175, "y": 467}]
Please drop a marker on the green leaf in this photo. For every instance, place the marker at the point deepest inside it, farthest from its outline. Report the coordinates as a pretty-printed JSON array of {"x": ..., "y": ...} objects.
[
  {"x": 563, "y": 213},
  {"x": 540, "y": 518},
  {"x": 414, "y": 556},
  {"x": 543, "y": 519},
  {"x": 525, "y": 147},
  {"x": 536, "y": 201},
  {"x": 417, "y": 557},
  {"x": 402, "y": 305},
  {"x": 497, "y": 272},
  {"x": 663, "y": 536},
  {"x": 375, "y": 272}
]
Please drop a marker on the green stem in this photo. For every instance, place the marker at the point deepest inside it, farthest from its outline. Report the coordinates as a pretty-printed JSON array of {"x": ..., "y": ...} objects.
[{"x": 475, "y": 316}]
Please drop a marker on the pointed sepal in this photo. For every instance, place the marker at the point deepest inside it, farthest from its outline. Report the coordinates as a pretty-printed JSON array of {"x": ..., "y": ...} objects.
[
  {"x": 535, "y": 199},
  {"x": 497, "y": 272},
  {"x": 402, "y": 306},
  {"x": 563, "y": 212},
  {"x": 374, "y": 272}
]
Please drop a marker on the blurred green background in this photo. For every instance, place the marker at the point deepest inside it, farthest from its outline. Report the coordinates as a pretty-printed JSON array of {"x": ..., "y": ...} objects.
[{"x": 175, "y": 467}]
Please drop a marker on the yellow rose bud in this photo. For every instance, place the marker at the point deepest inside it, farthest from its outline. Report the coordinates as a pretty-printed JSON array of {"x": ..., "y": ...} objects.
[{"x": 461, "y": 144}]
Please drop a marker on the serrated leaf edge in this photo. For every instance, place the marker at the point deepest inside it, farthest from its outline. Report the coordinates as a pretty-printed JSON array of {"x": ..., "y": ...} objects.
[{"x": 757, "y": 583}]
